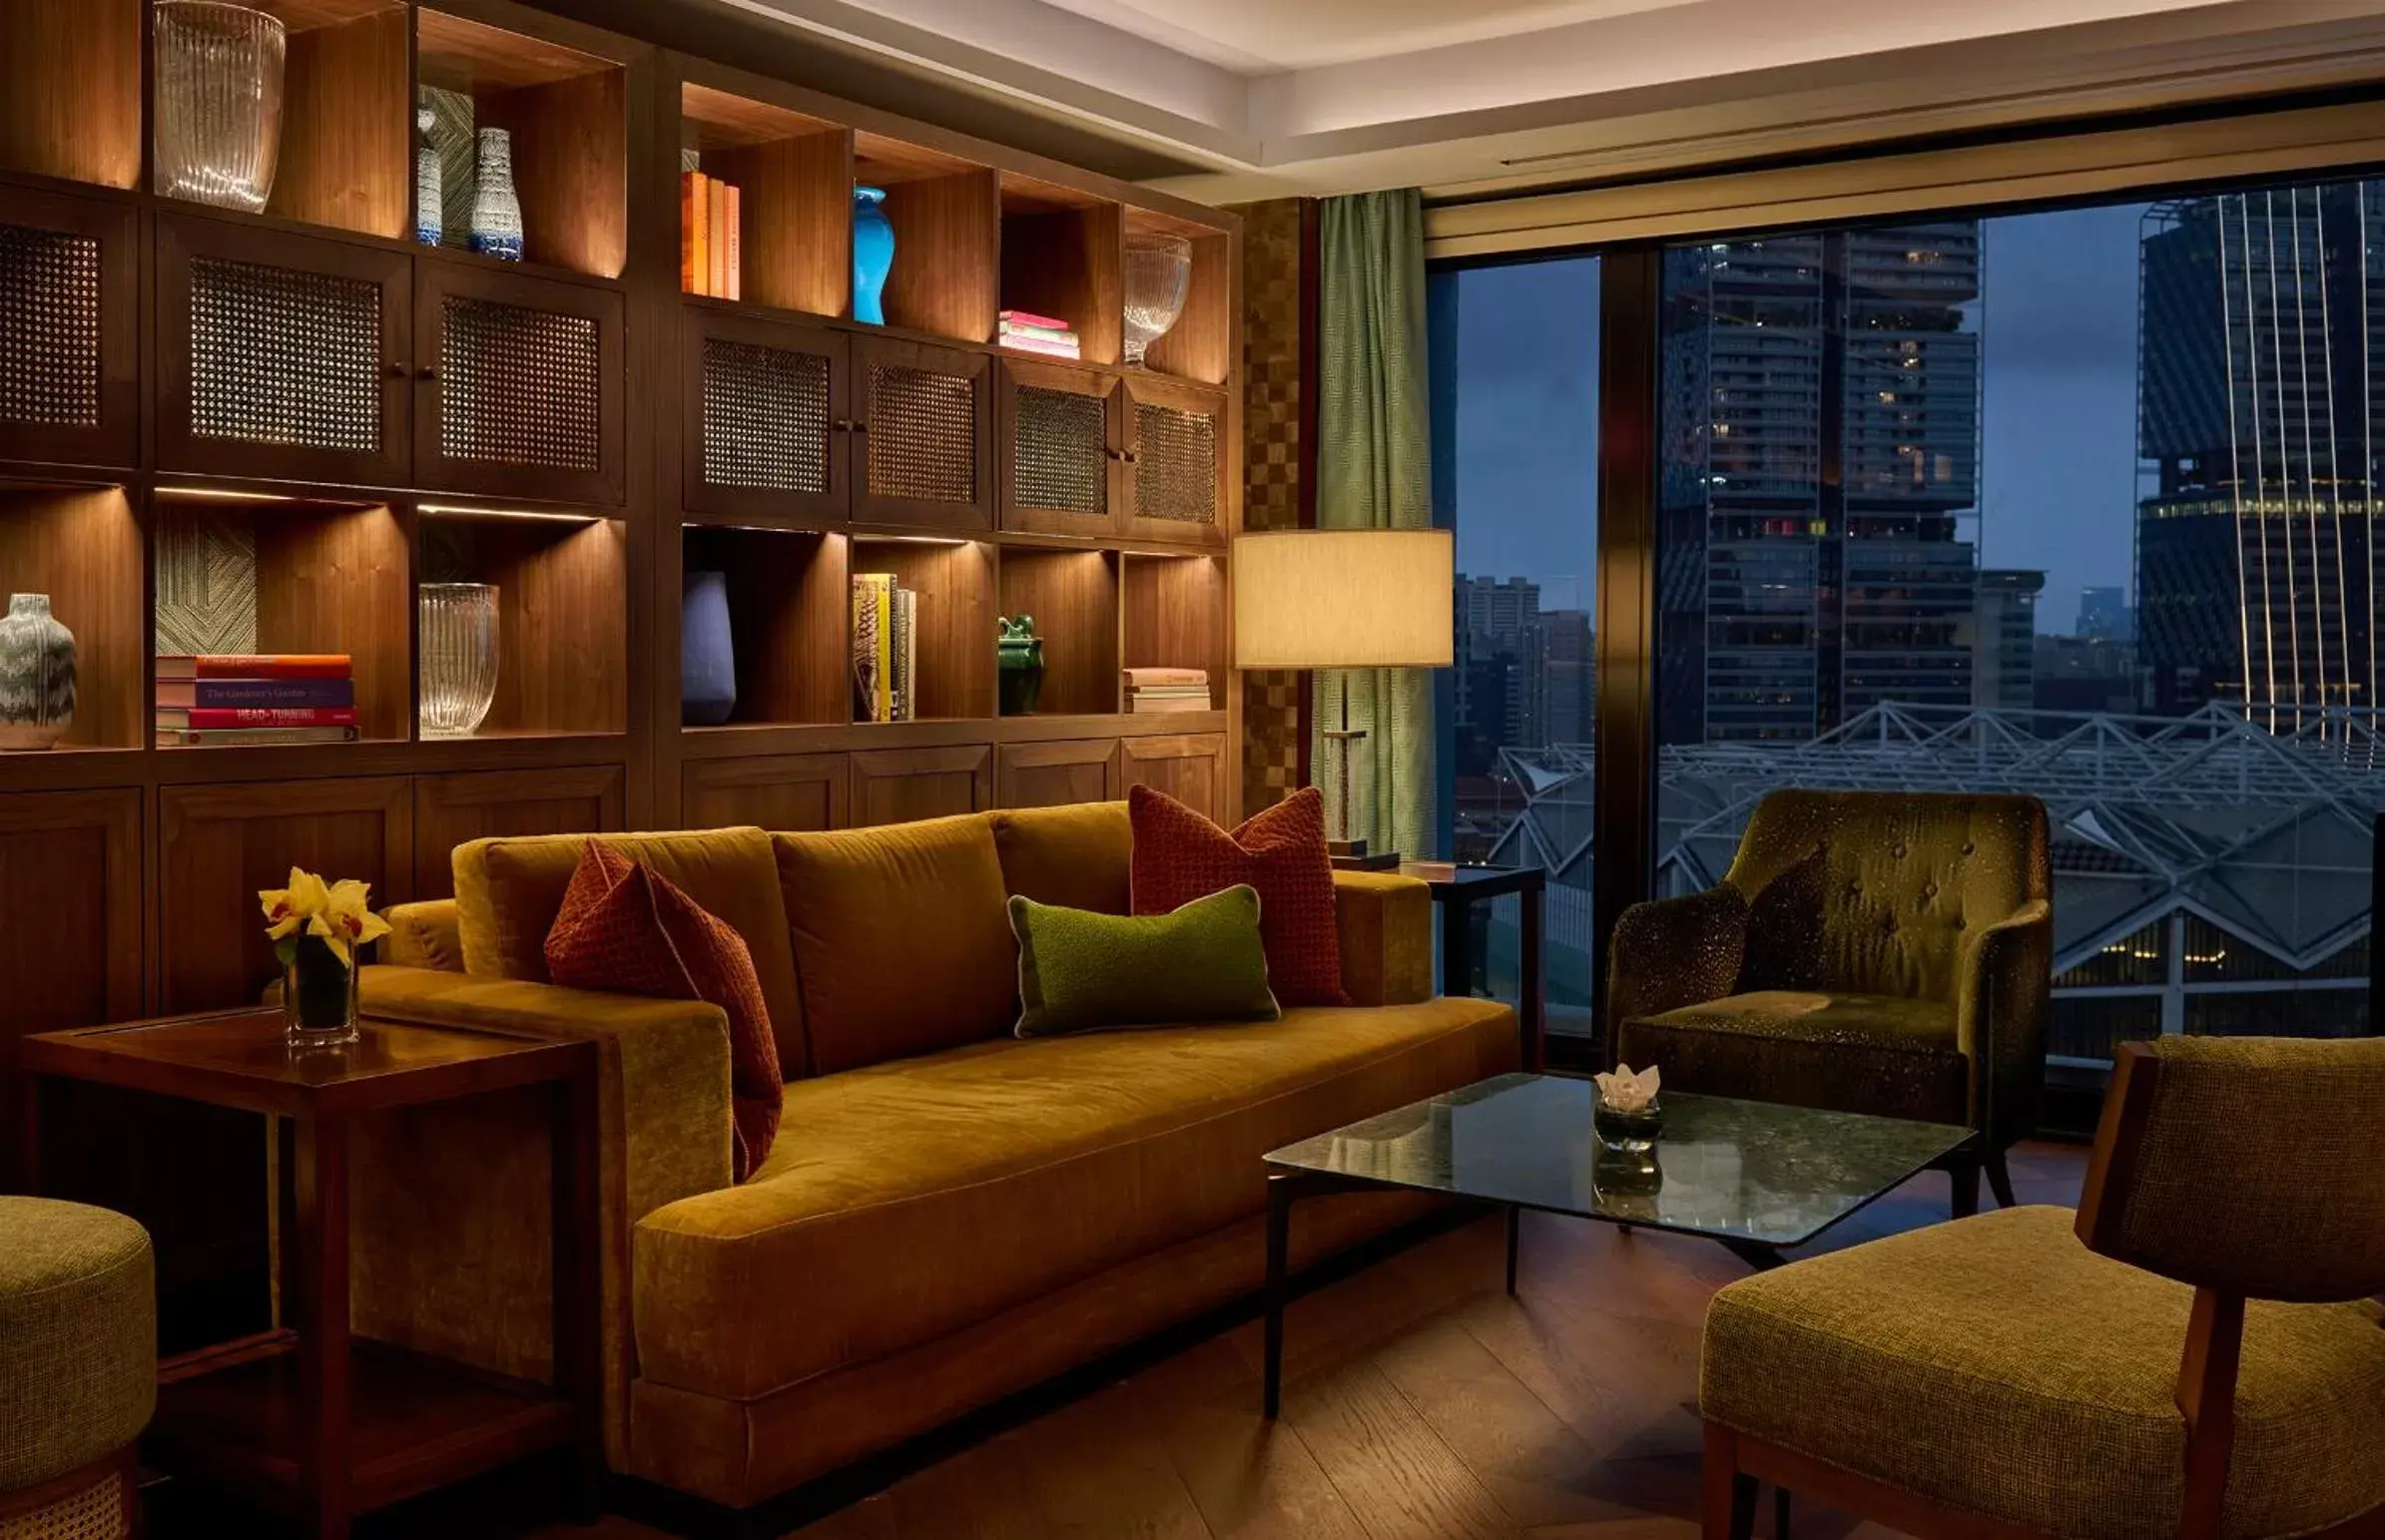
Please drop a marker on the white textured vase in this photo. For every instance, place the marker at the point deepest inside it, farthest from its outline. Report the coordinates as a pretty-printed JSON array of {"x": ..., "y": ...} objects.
[
  {"x": 496, "y": 208},
  {"x": 37, "y": 674},
  {"x": 457, "y": 622},
  {"x": 219, "y": 102}
]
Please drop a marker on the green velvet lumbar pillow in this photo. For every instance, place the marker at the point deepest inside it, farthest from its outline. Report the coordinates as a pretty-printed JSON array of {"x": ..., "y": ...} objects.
[{"x": 1081, "y": 972}]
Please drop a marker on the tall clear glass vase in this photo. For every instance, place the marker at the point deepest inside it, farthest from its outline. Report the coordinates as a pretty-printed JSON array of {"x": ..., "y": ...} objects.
[
  {"x": 219, "y": 102},
  {"x": 457, "y": 622}
]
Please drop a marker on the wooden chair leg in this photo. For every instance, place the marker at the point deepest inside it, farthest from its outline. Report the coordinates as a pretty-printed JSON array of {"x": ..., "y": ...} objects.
[
  {"x": 1731, "y": 1495},
  {"x": 1999, "y": 1181}
]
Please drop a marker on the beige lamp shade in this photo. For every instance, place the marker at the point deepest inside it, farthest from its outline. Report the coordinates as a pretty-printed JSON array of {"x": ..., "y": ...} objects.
[{"x": 1345, "y": 599}]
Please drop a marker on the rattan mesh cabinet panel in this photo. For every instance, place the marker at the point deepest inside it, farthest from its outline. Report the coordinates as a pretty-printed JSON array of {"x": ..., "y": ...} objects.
[
  {"x": 69, "y": 327},
  {"x": 1059, "y": 454},
  {"x": 1175, "y": 463},
  {"x": 926, "y": 428},
  {"x": 767, "y": 419},
  {"x": 280, "y": 355},
  {"x": 521, "y": 384}
]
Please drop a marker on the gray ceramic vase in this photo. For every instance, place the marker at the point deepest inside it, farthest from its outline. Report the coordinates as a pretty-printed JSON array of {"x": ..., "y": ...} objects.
[{"x": 37, "y": 674}]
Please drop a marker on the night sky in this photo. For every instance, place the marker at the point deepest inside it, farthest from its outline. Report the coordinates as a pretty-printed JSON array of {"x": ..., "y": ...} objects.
[{"x": 2059, "y": 439}]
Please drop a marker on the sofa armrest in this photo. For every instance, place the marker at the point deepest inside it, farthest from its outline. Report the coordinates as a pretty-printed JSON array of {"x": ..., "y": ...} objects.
[
  {"x": 1386, "y": 923},
  {"x": 1671, "y": 952},
  {"x": 450, "y": 1210},
  {"x": 423, "y": 935},
  {"x": 2006, "y": 990}
]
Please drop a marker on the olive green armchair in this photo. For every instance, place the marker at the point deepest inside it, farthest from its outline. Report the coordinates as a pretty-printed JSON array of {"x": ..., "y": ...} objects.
[{"x": 1877, "y": 952}]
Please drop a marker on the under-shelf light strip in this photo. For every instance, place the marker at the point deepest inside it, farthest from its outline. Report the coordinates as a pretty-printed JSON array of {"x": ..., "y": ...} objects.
[{"x": 541, "y": 515}]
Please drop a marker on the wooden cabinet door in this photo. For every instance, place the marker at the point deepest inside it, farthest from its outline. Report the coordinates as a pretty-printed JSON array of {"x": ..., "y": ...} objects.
[
  {"x": 521, "y": 384},
  {"x": 282, "y": 355},
  {"x": 69, "y": 906},
  {"x": 896, "y": 785},
  {"x": 1189, "y": 766},
  {"x": 1055, "y": 774},
  {"x": 219, "y": 844},
  {"x": 1060, "y": 460},
  {"x": 1175, "y": 461},
  {"x": 768, "y": 418},
  {"x": 791, "y": 792},
  {"x": 452, "y": 810},
  {"x": 69, "y": 276},
  {"x": 925, "y": 425}
]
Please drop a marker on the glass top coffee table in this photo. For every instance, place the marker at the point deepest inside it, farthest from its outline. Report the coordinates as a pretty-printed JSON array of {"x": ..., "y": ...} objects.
[{"x": 1756, "y": 1176}]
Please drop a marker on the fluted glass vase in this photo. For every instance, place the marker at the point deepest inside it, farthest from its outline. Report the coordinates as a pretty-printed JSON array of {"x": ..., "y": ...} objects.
[
  {"x": 457, "y": 622},
  {"x": 219, "y": 102},
  {"x": 1158, "y": 272}
]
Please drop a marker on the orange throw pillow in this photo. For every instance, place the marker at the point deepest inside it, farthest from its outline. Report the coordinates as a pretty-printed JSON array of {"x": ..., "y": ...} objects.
[
  {"x": 626, "y": 928},
  {"x": 1179, "y": 857}
]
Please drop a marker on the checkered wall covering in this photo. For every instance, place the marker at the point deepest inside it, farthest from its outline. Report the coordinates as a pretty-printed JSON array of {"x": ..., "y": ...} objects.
[{"x": 1271, "y": 368}]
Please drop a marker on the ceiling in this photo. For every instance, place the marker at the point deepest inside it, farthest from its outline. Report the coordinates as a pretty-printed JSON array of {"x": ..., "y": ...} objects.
[{"x": 1233, "y": 99}]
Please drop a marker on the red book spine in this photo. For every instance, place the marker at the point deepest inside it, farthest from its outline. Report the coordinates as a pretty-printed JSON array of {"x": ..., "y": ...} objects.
[
  {"x": 202, "y": 718},
  {"x": 256, "y": 666}
]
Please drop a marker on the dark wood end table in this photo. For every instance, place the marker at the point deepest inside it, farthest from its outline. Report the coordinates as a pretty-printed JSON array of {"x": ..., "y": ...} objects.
[
  {"x": 310, "y": 1422},
  {"x": 1458, "y": 888}
]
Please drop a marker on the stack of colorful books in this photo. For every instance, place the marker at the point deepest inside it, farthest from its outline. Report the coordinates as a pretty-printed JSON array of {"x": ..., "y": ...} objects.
[
  {"x": 885, "y": 649},
  {"x": 1167, "y": 690},
  {"x": 244, "y": 697},
  {"x": 711, "y": 252},
  {"x": 1038, "y": 334}
]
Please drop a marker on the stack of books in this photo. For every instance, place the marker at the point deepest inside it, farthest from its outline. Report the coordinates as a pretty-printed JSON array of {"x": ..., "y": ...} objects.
[
  {"x": 885, "y": 649},
  {"x": 1167, "y": 690},
  {"x": 1038, "y": 334},
  {"x": 710, "y": 254},
  {"x": 245, "y": 697}
]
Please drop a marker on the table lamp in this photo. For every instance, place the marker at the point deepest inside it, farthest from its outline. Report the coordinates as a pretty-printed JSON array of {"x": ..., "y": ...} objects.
[{"x": 1345, "y": 599}]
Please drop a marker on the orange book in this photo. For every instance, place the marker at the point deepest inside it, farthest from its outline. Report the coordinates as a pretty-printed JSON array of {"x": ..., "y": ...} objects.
[
  {"x": 695, "y": 234},
  {"x": 735, "y": 288},
  {"x": 716, "y": 198}
]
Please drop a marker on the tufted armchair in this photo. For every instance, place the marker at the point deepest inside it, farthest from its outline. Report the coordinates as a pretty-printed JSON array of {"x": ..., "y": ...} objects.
[{"x": 1877, "y": 952}]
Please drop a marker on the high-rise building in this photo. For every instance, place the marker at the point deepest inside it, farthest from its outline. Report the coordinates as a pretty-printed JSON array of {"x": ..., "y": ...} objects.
[
  {"x": 1821, "y": 427},
  {"x": 1489, "y": 607},
  {"x": 2261, "y": 323},
  {"x": 2105, "y": 611},
  {"x": 2003, "y": 638}
]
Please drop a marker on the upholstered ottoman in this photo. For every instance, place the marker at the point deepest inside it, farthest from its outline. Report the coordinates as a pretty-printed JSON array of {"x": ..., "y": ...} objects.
[{"x": 78, "y": 1368}]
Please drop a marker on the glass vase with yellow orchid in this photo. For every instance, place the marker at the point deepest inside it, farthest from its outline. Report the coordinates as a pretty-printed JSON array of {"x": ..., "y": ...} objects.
[{"x": 317, "y": 928}]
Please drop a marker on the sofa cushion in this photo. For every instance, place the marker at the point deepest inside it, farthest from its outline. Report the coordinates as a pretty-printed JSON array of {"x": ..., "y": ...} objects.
[
  {"x": 509, "y": 890},
  {"x": 1082, "y": 972},
  {"x": 906, "y": 1201},
  {"x": 1849, "y": 1053},
  {"x": 1180, "y": 855},
  {"x": 901, "y": 940},
  {"x": 1998, "y": 1366},
  {"x": 1079, "y": 856}
]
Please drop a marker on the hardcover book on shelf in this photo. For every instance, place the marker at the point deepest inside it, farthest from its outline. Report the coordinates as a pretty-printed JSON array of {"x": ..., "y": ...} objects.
[
  {"x": 695, "y": 232},
  {"x": 1189, "y": 703},
  {"x": 905, "y": 655},
  {"x": 716, "y": 203},
  {"x": 204, "y": 719},
  {"x": 217, "y": 693},
  {"x": 254, "y": 666},
  {"x": 252, "y": 738},
  {"x": 1137, "y": 679},
  {"x": 735, "y": 288},
  {"x": 872, "y": 684}
]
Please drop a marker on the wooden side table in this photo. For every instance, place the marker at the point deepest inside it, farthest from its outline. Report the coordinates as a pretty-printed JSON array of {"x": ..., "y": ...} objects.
[
  {"x": 1458, "y": 888},
  {"x": 307, "y": 1421}
]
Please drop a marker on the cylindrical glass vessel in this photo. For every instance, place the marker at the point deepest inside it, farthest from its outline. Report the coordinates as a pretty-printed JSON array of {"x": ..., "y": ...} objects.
[
  {"x": 219, "y": 102},
  {"x": 457, "y": 622},
  {"x": 1158, "y": 272}
]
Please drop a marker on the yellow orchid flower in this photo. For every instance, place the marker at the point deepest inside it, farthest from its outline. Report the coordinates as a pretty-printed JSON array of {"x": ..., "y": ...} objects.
[
  {"x": 287, "y": 908},
  {"x": 344, "y": 922}
]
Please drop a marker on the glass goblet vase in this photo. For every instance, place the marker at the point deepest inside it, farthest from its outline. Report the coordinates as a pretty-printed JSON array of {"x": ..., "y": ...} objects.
[
  {"x": 457, "y": 622},
  {"x": 1158, "y": 273}
]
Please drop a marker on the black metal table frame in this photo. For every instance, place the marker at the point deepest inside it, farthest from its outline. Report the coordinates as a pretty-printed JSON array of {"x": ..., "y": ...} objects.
[{"x": 1457, "y": 895}]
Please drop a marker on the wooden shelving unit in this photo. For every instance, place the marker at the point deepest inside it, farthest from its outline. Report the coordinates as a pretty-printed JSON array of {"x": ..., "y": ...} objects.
[{"x": 268, "y": 429}]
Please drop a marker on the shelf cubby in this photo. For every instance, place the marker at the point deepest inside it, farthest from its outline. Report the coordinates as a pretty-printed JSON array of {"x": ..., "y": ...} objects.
[
  {"x": 787, "y": 607},
  {"x": 563, "y": 614},
  {"x": 72, "y": 105},
  {"x": 568, "y": 114},
  {"x": 1176, "y": 617},
  {"x": 946, "y": 215},
  {"x": 1073, "y": 596},
  {"x": 1200, "y": 346},
  {"x": 348, "y": 159},
  {"x": 953, "y": 650},
  {"x": 1061, "y": 255},
  {"x": 254, "y": 573},
  {"x": 794, "y": 176},
  {"x": 81, "y": 545}
]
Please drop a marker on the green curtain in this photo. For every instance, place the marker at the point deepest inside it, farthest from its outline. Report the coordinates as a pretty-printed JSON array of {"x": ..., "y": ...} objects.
[{"x": 1373, "y": 471}]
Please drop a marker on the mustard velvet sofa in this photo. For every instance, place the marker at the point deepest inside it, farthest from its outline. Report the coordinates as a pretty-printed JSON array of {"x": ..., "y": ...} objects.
[{"x": 949, "y": 1215}]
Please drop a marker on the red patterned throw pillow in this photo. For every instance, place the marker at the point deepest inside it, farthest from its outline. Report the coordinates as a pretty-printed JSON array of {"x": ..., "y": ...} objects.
[
  {"x": 628, "y": 928},
  {"x": 1180, "y": 855}
]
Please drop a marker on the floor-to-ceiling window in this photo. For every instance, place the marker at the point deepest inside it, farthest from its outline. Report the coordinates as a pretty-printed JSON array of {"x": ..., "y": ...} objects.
[{"x": 1514, "y": 351}]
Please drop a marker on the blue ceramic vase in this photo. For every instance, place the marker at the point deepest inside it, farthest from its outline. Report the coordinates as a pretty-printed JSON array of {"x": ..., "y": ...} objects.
[
  {"x": 707, "y": 661},
  {"x": 873, "y": 253}
]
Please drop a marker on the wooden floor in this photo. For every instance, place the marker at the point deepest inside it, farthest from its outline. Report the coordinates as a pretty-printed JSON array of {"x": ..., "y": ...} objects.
[{"x": 1421, "y": 1402}]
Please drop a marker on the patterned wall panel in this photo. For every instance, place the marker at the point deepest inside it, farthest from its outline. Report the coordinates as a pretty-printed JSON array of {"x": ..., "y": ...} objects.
[
  {"x": 1271, "y": 413},
  {"x": 206, "y": 583}
]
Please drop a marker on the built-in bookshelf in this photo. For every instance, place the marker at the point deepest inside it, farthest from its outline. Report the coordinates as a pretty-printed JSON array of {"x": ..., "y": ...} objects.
[{"x": 266, "y": 430}]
